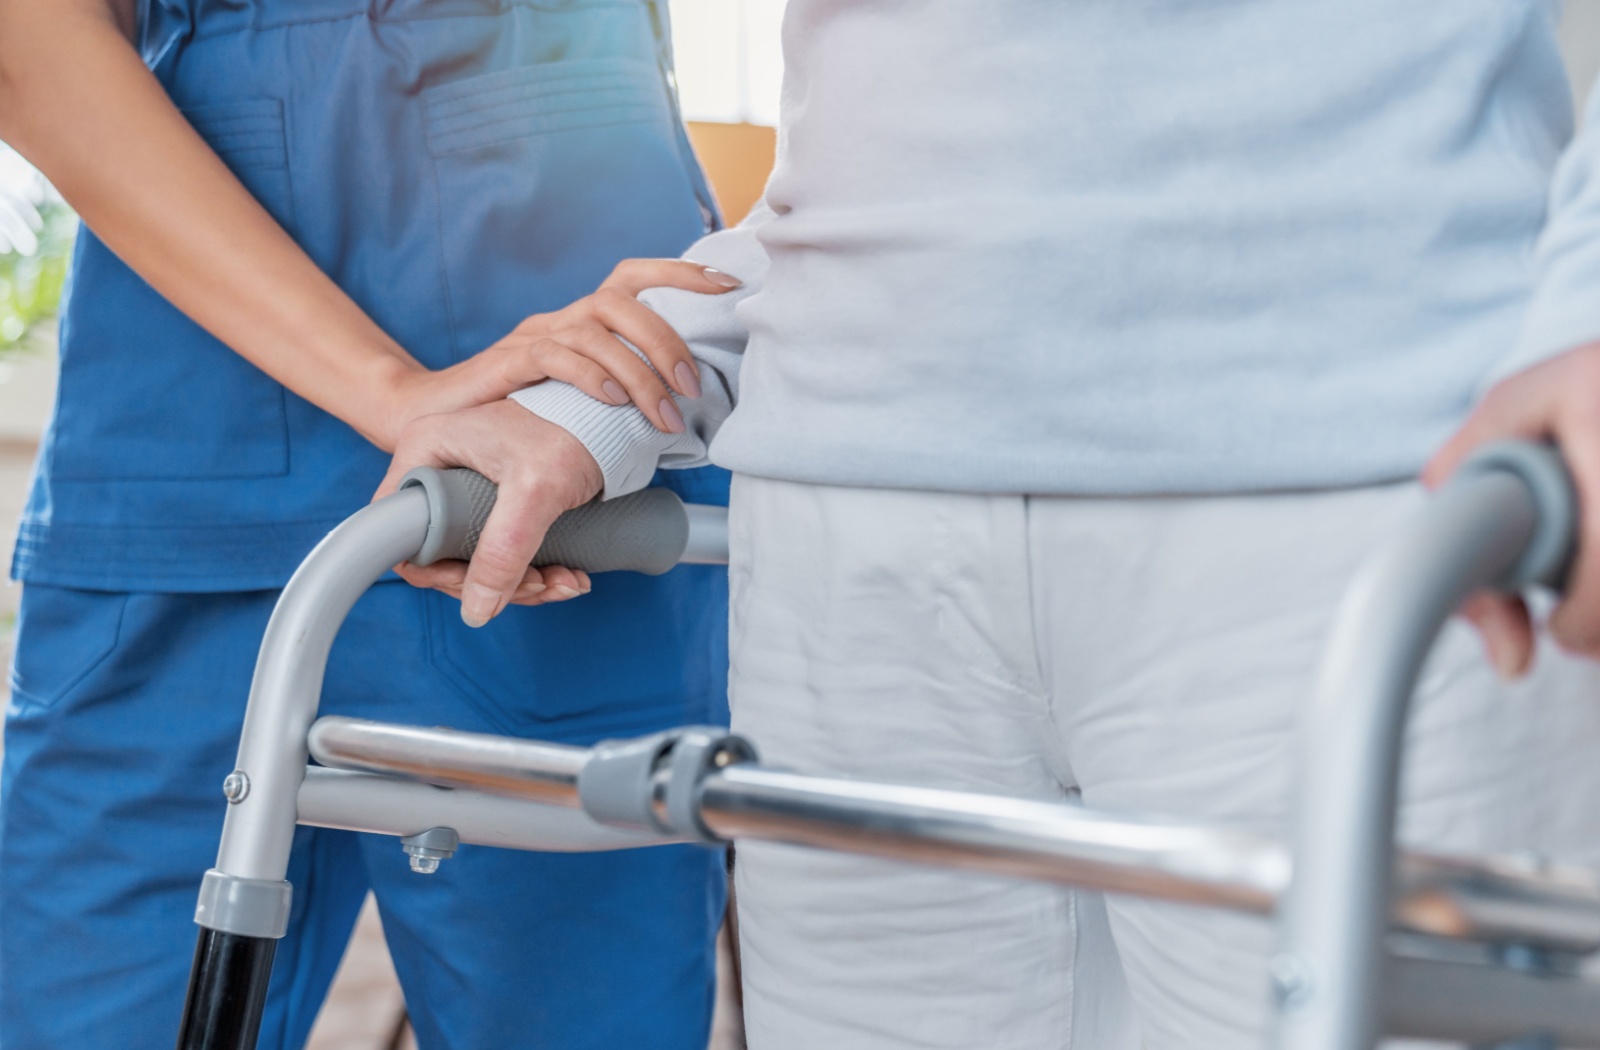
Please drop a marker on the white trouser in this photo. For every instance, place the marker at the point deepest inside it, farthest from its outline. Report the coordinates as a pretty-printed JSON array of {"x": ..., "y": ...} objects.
[{"x": 1154, "y": 655}]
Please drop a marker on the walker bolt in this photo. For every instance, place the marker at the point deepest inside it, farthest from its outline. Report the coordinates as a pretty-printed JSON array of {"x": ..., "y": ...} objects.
[
  {"x": 235, "y": 787},
  {"x": 427, "y": 848}
]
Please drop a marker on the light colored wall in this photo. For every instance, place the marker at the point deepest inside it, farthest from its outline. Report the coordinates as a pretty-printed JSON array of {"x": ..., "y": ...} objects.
[{"x": 1580, "y": 43}]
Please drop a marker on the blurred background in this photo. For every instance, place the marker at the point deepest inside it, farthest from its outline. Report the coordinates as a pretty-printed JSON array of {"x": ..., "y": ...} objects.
[{"x": 729, "y": 71}]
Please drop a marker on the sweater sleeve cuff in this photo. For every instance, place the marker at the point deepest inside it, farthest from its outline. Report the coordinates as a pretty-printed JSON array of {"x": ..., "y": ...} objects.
[{"x": 620, "y": 438}]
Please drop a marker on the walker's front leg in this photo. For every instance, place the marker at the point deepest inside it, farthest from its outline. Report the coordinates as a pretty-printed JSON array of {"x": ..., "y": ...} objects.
[
  {"x": 1506, "y": 521},
  {"x": 244, "y": 900}
]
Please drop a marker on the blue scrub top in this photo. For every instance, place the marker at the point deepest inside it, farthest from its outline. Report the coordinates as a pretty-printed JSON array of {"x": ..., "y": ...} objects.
[{"x": 454, "y": 165}]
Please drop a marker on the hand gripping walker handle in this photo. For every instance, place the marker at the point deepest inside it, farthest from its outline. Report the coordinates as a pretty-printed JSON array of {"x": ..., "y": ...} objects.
[{"x": 646, "y": 532}]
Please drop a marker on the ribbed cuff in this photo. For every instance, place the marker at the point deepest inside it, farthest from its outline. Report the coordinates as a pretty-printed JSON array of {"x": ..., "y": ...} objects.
[{"x": 625, "y": 444}]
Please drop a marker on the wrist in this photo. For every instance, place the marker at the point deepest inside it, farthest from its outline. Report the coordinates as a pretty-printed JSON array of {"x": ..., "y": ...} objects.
[
  {"x": 387, "y": 389},
  {"x": 565, "y": 459}
]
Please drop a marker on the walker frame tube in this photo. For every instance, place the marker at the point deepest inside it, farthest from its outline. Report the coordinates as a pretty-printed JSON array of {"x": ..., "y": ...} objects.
[
  {"x": 1334, "y": 967},
  {"x": 1492, "y": 900},
  {"x": 244, "y": 899},
  {"x": 287, "y": 688},
  {"x": 1329, "y": 974},
  {"x": 384, "y": 805}
]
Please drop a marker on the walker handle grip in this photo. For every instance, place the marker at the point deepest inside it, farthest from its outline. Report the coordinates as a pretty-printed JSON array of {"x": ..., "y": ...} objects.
[
  {"x": 644, "y": 532},
  {"x": 1547, "y": 559}
]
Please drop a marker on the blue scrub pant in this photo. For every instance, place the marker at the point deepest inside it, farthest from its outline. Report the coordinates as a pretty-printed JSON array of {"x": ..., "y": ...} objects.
[{"x": 125, "y": 719}]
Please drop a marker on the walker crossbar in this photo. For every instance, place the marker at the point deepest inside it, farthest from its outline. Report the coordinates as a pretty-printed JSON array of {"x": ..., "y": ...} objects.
[
  {"x": 1492, "y": 901},
  {"x": 1480, "y": 950}
]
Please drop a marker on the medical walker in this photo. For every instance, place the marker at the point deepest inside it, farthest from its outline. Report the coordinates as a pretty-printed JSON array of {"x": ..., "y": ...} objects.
[{"x": 1372, "y": 940}]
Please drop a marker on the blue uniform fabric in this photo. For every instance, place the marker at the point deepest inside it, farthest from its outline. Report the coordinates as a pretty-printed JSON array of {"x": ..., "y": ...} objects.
[
  {"x": 124, "y": 720},
  {"x": 454, "y": 165}
]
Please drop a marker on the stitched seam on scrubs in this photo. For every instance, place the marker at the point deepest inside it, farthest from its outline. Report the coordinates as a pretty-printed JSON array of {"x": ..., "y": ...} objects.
[
  {"x": 480, "y": 90},
  {"x": 248, "y": 133},
  {"x": 453, "y": 111},
  {"x": 538, "y": 100},
  {"x": 479, "y": 142},
  {"x": 549, "y": 73},
  {"x": 60, "y": 563},
  {"x": 365, "y": 13},
  {"x": 466, "y": 114},
  {"x": 444, "y": 271},
  {"x": 538, "y": 107},
  {"x": 51, "y": 697}
]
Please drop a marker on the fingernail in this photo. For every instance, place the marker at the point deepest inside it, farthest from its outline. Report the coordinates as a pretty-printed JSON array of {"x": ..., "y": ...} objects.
[
  {"x": 564, "y": 592},
  {"x": 614, "y": 392},
  {"x": 480, "y": 604},
  {"x": 720, "y": 279},
  {"x": 688, "y": 379},
  {"x": 671, "y": 416}
]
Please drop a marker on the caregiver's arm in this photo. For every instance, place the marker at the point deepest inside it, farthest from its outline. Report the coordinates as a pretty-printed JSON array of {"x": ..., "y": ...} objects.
[
  {"x": 554, "y": 448},
  {"x": 77, "y": 101},
  {"x": 1549, "y": 389}
]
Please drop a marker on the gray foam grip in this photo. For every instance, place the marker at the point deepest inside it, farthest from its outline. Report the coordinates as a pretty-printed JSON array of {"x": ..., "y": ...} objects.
[
  {"x": 643, "y": 532},
  {"x": 1548, "y": 557}
]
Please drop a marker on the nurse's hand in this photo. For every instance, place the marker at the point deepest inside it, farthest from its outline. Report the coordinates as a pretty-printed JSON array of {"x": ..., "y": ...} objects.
[
  {"x": 542, "y": 471},
  {"x": 1558, "y": 400},
  {"x": 580, "y": 344}
]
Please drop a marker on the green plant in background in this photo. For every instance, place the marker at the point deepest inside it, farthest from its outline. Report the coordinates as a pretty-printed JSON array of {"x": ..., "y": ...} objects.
[{"x": 30, "y": 283}]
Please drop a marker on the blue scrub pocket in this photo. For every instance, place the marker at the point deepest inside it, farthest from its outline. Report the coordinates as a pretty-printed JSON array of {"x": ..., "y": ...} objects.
[
  {"x": 62, "y": 636},
  {"x": 556, "y": 171},
  {"x": 128, "y": 356}
]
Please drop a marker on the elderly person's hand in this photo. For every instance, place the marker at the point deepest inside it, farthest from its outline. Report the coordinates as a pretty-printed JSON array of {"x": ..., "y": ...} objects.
[
  {"x": 1558, "y": 400},
  {"x": 542, "y": 471}
]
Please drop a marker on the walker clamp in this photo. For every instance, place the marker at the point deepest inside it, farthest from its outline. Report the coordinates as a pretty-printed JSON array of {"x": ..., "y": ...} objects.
[{"x": 617, "y": 784}]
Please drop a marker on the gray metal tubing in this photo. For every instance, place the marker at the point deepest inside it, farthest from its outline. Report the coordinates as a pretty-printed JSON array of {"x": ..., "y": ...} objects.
[
  {"x": 1485, "y": 1005},
  {"x": 1484, "y": 900},
  {"x": 708, "y": 535},
  {"x": 1330, "y": 970},
  {"x": 1049, "y": 842},
  {"x": 1498, "y": 901},
  {"x": 506, "y": 766},
  {"x": 382, "y": 805},
  {"x": 288, "y": 679},
  {"x": 1053, "y": 842}
]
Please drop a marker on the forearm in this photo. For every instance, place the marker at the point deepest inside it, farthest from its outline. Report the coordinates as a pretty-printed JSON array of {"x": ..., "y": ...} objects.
[
  {"x": 77, "y": 101},
  {"x": 624, "y": 443}
]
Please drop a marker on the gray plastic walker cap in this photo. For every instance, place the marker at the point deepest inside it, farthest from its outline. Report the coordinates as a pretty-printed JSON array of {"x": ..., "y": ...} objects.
[{"x": 1547, "y": 559}]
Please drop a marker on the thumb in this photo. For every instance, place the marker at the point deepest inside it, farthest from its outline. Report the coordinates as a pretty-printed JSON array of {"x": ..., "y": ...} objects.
[
  {"x": 511, "y": 537},
  {"x": 1507, "y": 631}
]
